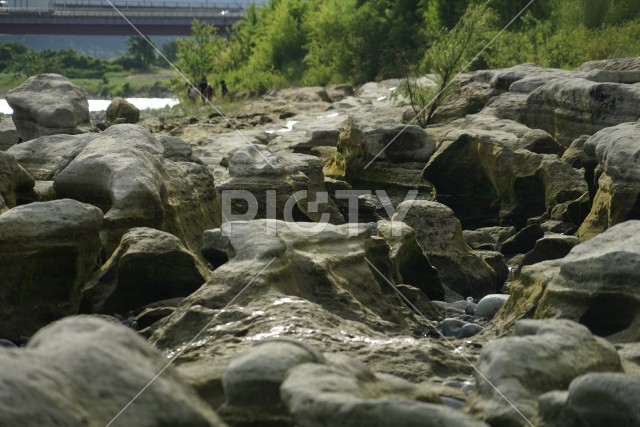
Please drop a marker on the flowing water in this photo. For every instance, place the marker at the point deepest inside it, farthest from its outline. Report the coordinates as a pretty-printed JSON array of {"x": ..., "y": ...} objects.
[{"x": 102, "y": 104}]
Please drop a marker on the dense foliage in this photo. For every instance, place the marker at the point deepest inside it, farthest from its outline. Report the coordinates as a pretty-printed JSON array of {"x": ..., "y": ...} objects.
[
  {"x": 319, "y": 42},
  {"x": 316, "y": 42}
]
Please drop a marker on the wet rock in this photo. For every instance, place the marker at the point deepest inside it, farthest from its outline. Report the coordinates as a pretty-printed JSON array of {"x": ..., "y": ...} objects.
[
  {"x": 489, "y": 305},
  {"x": 122, "y": 111},
  {"x": 48, "y": 252},
  {"x": 523, "y": 241},
  {"x": 346, "y": 393},
  {"x": 327, "y": 288},
  {"x": 149, "y": 265},
  {"x": 616, "y": 151},
  {"x": 459, "y": 328},
  {"x": 48, "y": 380},
  {"x": 542, "y": 356},
  {"x": 48, "y": 104},
  {"x": 413, "y": 266},
  {"x": 440, "y": 235},
  {"x": 14, "y": 181}
]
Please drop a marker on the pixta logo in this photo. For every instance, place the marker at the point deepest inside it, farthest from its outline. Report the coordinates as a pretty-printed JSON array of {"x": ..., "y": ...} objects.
[{"x": 317, "y": 205}]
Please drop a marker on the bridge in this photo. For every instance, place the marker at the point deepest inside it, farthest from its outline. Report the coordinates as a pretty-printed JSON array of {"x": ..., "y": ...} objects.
[{"x": 97, "y": 17}]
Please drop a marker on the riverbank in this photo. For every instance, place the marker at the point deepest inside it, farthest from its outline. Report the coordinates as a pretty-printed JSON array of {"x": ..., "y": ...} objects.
[{"x": 154, "y": 84}]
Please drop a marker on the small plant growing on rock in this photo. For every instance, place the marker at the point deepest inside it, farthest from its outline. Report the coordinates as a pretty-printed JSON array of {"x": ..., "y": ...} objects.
[{"x": 451, "y": 53}]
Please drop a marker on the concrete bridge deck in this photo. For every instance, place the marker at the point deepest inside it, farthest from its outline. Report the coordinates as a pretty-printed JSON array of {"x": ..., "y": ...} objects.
[{"x": 89, "y": 17}]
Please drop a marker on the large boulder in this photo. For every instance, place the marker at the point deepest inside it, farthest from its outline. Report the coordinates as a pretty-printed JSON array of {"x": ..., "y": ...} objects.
[
  {"x": 48, "y": 104},
  {"x": 543, "y": 355},
  {"x": 439, "y": 233},
  {"x": 85, "y": 371},
  {"x": 485, "y": 168},
  {"x": 597, "y": 284},
  {"x": 329, "y": 288},
  {"x": 372, "y": 139},
  {"x": 48, "y": 252},
  {"x": 14, "y": 181},
  {"x": 570, "y": 107},
  {"x": 344, "y": 392},
  {"x": 262, "y": 173},
  {"x": 122, "y": 111},
  {"x": 47, "y": 156},
  {"x": 148, "y": 266},
  {"x": 123, "y": 171},
  {"x": 616, "y": 150}
]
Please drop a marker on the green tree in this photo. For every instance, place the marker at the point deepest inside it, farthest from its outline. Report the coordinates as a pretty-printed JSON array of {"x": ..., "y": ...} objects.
[
  {"x": 141, "y": 51},
  {"x": 198, "y": 54},
  {"x": 452, "y": 51}
]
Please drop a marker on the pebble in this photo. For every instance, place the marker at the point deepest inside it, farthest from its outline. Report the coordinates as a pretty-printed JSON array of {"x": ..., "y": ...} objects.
[{"x": 489, "y": 305}]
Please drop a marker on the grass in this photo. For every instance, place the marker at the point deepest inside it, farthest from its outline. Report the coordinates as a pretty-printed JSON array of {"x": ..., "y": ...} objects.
[{"x": 154, "y": 84}]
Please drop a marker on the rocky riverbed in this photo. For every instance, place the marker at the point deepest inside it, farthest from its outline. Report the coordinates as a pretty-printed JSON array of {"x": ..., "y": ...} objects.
[{"x": 313, "y": 260}]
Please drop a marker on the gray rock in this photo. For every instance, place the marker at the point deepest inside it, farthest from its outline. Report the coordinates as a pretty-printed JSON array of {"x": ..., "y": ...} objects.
[
  {"x": 259, "y": 170},
  {"x": 47, "y": 156},
  {"x": 122, "y": 111},
  {"x": 459, "y": 328},
  {"x": 599, "y": 399},
  {"x": 544, "y": 355},
  {"x": 574, "y": 154},
  {"x": 570, "y": 107},
  {"x": 552, "y": 246},
  {"x": 176, "y": 149},
  {"x": 488, "y": 237},
  {"x": 8, "y": 134},
  {"x": 523, "y": 241},
  {"x": 484, "y": 166},
  {"x": 345, "y": 393},
  {"x": 48, "y": 252},
  {"x": 554, "y": 411},
  {"x": 368, "y": 138},
  {"x": 148, "y": 266},
  {"x": 440, "y": 235},
  {"x": 489, "y": 305},
  {"x": 616, "y": 151},
  {"x": 48, "y": 104},
  {"x": 49, "y": 380},
  {"x": 413, "y": 266},
  {"x": 124, "y": 173},
  {"x": 252, "y": 381},
  {"x": 597, "y": 284},
  {"x": 14, "y": 181}
]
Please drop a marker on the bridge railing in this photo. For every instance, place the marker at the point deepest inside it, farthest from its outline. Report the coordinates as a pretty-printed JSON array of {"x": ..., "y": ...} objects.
[{"x": 144, "y": 4}]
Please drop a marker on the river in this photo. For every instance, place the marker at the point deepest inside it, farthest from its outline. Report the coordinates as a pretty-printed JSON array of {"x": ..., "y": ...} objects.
[{"x": 102, "y": 104}]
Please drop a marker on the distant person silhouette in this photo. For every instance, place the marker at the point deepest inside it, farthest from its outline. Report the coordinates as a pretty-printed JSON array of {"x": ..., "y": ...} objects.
[
  {"x": 224, "y": 88},
  {"x": 203, "y": 87}
]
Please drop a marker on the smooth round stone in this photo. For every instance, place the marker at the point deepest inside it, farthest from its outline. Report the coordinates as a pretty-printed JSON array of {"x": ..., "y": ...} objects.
[
  {"x": 462, "y": 305},
  {"x": 451, "y": 402},
  {"x": 7, "y": 344},
  {"x": 451, "y": 327},
  {"x": 489, "y": 305},
  {"x": 469, "y": 330},
  {"x": 459, "y": 328}
]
